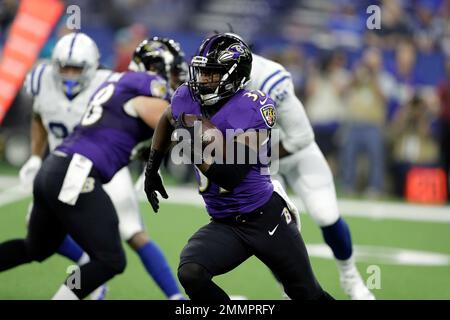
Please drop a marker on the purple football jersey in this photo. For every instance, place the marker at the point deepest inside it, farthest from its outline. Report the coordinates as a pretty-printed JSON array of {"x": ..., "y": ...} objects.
[
  {"x": 110, "y": 129},
  {"x": 245, "y": 110}
]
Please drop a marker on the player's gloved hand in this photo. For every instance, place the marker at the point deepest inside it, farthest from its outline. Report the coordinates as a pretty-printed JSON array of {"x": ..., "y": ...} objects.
[
  {"x": 141, "y": 151},
  {"x": 29, "y": 171},
  {"x": 153, "y": 181}
]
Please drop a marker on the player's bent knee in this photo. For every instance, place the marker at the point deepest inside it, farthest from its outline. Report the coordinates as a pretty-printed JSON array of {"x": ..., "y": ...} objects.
[
  {"x": 192, "y": 276},
  {"x": 325, "y": 220},
  {"x": 119, "y": 265},
  {"x": 114, "y": 264},
  {"x": 138, "y": 240},
  {"x": 38, "y": 254},
  {"x": 322, "y": 208}
]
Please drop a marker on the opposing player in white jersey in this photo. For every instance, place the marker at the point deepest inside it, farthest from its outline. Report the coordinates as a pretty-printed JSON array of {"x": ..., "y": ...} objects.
[
  {"x": 61, "y": 90},
  {"x": 303, "y": 167}
]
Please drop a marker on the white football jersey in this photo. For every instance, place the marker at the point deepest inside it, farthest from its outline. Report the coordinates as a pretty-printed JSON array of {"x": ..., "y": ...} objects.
[
  {"x": 59, "y": 114},
  {"x": 273, "y": 79}
]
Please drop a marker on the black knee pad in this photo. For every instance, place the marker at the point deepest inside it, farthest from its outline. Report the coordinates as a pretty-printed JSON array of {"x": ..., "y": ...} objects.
[{"x": 193, "y": 276}]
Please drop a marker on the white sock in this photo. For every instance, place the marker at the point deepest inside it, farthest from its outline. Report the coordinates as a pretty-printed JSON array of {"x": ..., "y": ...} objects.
[
  {"x": 64, "y": 293},
  {"x": 177, "y": 296},
  {"x": 84, "y": 259},
  {"x": 346, "y": 266}
]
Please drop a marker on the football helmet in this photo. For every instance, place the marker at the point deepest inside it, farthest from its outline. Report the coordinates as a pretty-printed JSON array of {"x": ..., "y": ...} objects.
[
  {"x": 153, "y": 56},
  {"x": 221, "y": 67},
  {"x": 179, "y": 68},
  {"x": 78, "y": 52}
]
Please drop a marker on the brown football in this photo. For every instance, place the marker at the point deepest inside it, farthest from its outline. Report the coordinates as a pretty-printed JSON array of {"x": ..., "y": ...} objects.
[
  {"x": 209, "y": 131},
  {"x": 189, "y": 119}
]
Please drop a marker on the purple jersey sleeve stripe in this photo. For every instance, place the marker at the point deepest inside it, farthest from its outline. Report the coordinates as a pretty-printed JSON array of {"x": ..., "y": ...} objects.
[
  {"x": 268, "y": 78},
  {"x": 276, "y": 83}
]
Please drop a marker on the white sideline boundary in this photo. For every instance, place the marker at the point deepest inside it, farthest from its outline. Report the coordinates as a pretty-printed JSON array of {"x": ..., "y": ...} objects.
[{"x": 376, "y": 210}]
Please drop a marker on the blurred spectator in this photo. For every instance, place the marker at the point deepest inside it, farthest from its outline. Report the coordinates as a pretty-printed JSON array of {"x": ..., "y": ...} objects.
[
  {"x": 115, "y": 14},
  {"x": 293, "y": 60},
  {"x": 126, "y": 41},
  {"x": 395, "y": 26},
  {"x": 444, "y": 41},
  {"x": 428, "y": 28},
  {"x": 444, "y": 117},
  {"x": 347, "y": 26},
  {"x": 324, "y": 101},
  {"x": 364, "y": 120},
  {"x": 412, "y": 141},
  {"x": 405, "y": 77}
]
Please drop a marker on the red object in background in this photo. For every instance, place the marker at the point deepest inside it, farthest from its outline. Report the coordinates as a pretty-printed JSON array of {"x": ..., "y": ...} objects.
[
  {"x": 29, "y": 31},
  {"x": 426, "y": 185}
]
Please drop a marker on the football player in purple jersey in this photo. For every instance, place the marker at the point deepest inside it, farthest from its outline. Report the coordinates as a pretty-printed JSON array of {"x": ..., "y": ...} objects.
[
  {"x": 249, "y": 217},
  {"x": 68, "y": 193}
]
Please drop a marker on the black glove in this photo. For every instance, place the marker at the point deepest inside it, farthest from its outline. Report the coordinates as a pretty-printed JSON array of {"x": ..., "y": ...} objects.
[
  {"x": 153, "y": 181},
  {"x": 142, "y": 151}
]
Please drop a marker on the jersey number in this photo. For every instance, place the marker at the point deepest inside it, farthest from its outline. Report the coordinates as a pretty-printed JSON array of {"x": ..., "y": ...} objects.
[
  {"x": 203, "y": 183},
  {"x": 254, "y": 95},
  {"x": 95, "y": 108},
  {"x": 58, "y": 129}
]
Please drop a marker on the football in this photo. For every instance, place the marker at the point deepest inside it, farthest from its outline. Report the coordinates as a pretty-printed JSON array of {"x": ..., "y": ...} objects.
[{"x": 209, "y": 132}]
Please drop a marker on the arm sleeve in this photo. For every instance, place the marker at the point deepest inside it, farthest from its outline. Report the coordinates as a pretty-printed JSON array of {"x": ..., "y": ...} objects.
[
  {"x": 297, "y": 132},
  {"x": 182, "y": 102},
  {"x": 229, "y": 176},
  {"x": 32, "y": 85},
  {"x": 36, "y": 106}
]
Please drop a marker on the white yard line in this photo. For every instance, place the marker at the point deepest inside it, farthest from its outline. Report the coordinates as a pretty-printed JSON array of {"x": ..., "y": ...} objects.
[
  {"x": 13, "y": 194},
  {"x": 8, "y": 181},
  {"x": 351, "y": 208}
]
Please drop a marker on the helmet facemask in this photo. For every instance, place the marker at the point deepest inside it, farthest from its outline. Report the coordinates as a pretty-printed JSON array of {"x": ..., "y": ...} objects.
[
  {"x": 179, "y": 68},
  {"x": 73, "y": 77},
  {"x": 75, "y": 60},
  {"x": 221, "y": 67},
  {"x": 212, "y": 82}
]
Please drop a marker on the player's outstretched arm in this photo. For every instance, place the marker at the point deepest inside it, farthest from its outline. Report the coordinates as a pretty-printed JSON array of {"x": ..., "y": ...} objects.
[
  {"x": 291, "y": 116},
  {"x": 160, "y": 144},
  {"x": 149, "y": 109}
]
